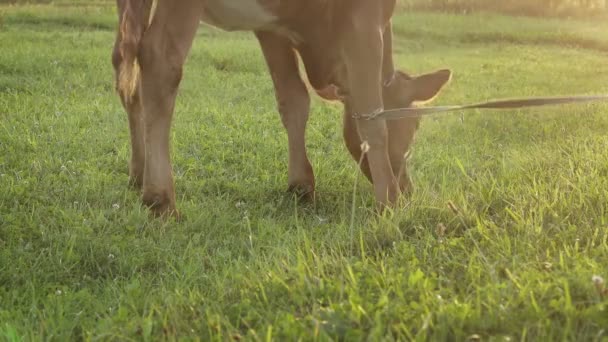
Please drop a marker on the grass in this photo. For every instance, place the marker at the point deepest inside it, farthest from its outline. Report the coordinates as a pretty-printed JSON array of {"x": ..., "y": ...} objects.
[{"x": 500, "y": 242}]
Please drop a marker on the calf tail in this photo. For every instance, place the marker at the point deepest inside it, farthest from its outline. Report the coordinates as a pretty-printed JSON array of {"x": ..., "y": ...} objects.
[{"x": 135, "y": 17}]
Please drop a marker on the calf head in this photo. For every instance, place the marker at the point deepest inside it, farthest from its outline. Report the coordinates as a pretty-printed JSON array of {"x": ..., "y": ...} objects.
[{"x": 403, "y": 91}]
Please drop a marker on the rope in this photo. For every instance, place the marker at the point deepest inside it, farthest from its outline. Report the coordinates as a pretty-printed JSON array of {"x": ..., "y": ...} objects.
[{"x": 401, "y": 113}]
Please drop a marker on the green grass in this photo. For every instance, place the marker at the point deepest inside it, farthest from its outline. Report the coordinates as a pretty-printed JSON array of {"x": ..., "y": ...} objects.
[{"x": 501, "y": 239}]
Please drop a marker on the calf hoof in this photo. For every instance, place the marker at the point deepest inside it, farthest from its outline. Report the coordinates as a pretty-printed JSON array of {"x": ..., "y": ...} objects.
[
  {"x": 161, "y": 206},
  {"x": 304, "y": 192}
]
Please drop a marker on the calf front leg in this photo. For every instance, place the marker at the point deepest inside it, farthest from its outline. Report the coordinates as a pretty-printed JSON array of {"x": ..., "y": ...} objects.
[
  {"x": 396, "y": 143},
  {"x": 353, "y": 142},
  {"x": 163, "y": 51},
  {"x": 363, "y": 56},
  {"x": 293, "y": 103},
  {"x": 401, "y": 136}
]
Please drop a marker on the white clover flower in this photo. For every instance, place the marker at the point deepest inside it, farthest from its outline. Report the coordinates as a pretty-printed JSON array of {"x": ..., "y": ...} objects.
[{"x": 597, "y": 280}]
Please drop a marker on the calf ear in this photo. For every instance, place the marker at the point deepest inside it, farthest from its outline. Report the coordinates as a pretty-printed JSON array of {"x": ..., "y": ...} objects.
[{"x": 427, "y": 86}]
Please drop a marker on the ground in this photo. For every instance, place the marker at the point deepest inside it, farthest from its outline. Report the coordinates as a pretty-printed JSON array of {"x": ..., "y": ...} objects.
[{"x": 501, "y": 240}]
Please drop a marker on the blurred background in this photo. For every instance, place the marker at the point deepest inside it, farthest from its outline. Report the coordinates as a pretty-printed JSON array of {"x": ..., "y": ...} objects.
[
  {"x": 517, "y": 7},
  {"x": 575, "y": 8}
]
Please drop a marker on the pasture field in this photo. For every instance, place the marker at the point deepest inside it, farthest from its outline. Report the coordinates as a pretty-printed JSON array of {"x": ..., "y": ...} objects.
[{"x": 505, "y": 237}]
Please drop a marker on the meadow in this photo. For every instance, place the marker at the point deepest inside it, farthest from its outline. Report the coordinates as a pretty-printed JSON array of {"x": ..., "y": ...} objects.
[{"x": 504, "y": 239}]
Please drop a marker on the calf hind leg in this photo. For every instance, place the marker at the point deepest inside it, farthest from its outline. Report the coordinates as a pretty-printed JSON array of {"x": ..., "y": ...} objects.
[{"x": 293, "y": 103}]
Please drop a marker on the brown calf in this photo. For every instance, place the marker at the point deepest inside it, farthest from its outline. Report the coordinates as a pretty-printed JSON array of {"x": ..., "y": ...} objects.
[{"x": 345, "y": 46}]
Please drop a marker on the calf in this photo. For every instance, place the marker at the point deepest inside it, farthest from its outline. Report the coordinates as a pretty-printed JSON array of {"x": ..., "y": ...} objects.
[{"x": 345, "y": 46}]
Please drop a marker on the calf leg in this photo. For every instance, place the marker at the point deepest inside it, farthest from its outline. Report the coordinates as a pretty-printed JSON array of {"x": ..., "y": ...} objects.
[
  {"x": 353, "y": 143},
  {"x": 363, "y": 55},
  {"x": 132, "y": 106},
  {"x": 163, "y": 51},
  {"x": 388, "y": 65},
  {"x": 400, "y": 132},
  {"x": 293, "y": 103},
  {"x": 401, "y": 136},
  {"x": 351, "y": 136}
]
